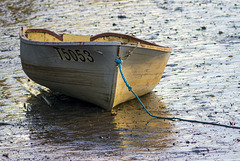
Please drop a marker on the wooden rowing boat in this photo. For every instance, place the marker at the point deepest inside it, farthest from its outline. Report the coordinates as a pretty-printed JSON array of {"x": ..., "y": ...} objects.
[{"x": 83, "y": 66}]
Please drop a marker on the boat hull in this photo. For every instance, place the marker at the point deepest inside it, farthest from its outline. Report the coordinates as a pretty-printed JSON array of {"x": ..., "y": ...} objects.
[
  {"x": 87, "y": 70},
  {"x": 143, "y": 70},
  {"x": 89, "y": 81}
]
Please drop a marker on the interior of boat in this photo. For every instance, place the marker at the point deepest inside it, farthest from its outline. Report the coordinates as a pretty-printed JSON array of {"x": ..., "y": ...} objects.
[{"x": 49, "y": 36}]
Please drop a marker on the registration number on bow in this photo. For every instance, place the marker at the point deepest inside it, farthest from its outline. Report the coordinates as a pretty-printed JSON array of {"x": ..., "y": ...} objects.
[{"x": 74, "y": 55}]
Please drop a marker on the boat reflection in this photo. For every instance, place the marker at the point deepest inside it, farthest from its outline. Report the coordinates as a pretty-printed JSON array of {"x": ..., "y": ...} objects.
[
  {"x": 82, "y": 126},
  {"x": 138, "y": 130},
  {"x": 58, "y": 120},
  {"x": 4, "y": 91}
]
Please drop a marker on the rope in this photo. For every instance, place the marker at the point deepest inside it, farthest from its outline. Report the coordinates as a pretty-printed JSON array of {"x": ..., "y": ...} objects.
[
  {"x": 119, "y": 62},
  {"x": 131, "y": 52}
]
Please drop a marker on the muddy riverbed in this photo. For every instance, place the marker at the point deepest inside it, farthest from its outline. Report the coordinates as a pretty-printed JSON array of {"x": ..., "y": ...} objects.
[{"x": 200, "y": 82}]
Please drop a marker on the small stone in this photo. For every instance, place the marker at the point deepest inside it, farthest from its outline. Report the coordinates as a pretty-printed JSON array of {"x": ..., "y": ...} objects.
[
  {"x": 203, "y": 28},
  {"x": 5, "y": 155},
  {"x": 121, "y": 16}
]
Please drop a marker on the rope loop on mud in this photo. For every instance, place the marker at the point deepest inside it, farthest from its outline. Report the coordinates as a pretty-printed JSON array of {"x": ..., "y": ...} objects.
[{"x": 119, "y": 62}]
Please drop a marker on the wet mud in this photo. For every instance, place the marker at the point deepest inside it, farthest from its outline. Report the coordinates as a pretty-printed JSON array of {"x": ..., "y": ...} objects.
[{"x": 200, "y": 82}]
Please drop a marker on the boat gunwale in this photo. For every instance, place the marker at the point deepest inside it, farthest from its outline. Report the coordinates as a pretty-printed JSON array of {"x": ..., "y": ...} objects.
[
  {"x": 60, "y": 36},
  {"x": 24, "y": 39},
  {"x": 32, "y": 42},
  {"x": 124, "y": 36}
]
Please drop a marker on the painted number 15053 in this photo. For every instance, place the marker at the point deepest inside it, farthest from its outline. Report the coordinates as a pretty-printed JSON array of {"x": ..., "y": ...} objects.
[{"x": 74, "y": 55}]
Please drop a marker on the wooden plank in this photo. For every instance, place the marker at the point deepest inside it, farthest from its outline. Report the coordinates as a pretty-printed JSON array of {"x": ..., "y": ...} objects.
[{"x": 76, "y": 38}]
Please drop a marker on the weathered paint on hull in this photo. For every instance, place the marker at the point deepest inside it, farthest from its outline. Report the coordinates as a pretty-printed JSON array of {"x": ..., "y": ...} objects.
[
  {"x": 143, "y": 71},
  {"x": 89, "y": 81},
  {"x": 87, "y": 71}
]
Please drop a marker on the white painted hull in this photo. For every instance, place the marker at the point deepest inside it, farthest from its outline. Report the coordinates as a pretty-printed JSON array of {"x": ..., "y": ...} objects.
[{"x": 88, "y": 71}]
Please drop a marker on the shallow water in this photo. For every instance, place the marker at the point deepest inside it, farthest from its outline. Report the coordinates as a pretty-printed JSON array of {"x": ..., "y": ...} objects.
[{"x": 201, "y": 81}]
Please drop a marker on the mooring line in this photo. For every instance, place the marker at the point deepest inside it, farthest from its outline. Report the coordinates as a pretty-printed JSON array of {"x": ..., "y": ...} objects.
[{"x": 119, "y": 62}]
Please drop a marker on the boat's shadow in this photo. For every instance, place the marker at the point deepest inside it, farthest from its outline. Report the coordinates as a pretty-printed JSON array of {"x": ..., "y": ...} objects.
[{"x": 66, "y": 121}]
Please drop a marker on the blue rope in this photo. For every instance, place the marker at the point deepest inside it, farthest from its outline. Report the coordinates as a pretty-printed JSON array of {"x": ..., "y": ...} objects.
[{"x": 119, "y": 62}]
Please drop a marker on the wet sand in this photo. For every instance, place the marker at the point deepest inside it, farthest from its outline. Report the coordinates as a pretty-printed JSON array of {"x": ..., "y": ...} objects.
[{"x": 201, "y": 82}]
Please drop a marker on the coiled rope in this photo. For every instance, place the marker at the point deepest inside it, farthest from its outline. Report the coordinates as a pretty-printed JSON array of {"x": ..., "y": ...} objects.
[{"x": 119, "y": 62}]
